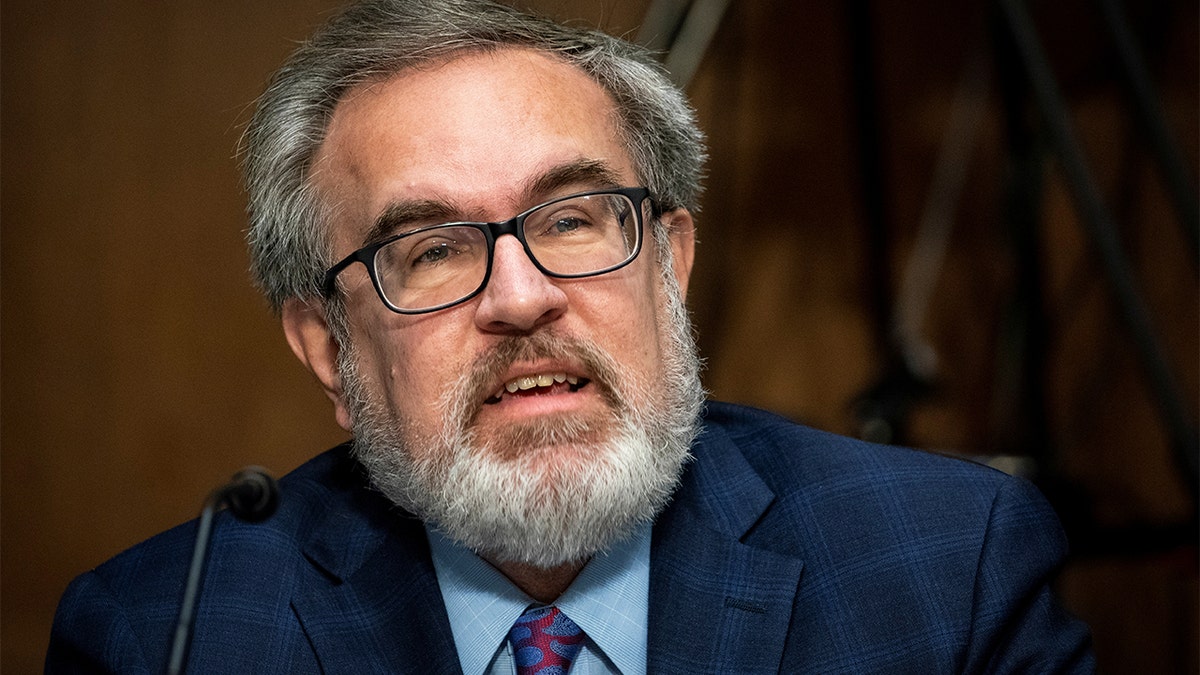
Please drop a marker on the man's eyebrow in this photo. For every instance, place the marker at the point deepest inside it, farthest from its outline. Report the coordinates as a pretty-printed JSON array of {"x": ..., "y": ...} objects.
[
  {"x": 405, "y": 214},
  {"x": 585, "y": 173}
]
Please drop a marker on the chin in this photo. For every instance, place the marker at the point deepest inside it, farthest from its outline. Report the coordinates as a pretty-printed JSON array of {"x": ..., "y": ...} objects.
[
  {"x": 549, "y": 439},
  {"x": 547, "y": 503}
]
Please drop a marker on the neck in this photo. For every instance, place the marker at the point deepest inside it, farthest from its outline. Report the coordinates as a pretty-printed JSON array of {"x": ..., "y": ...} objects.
[{"x": 541, "y": 584}]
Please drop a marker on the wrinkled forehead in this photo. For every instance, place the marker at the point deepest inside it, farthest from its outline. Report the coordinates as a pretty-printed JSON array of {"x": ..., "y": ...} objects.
[
  {"x": 476, "y": 130},
  {"x": 487, "y": 80}
]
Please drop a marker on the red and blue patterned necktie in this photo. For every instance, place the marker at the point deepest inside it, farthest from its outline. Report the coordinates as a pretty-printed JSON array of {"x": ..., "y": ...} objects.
[{"x": 545, "y": 642}]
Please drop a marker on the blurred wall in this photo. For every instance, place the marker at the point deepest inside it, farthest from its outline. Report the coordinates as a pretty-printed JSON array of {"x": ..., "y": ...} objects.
[{"x": 140, "y": 368}]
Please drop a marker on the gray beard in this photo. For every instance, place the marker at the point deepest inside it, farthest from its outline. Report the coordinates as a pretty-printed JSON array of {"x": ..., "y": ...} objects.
[{"x": 510, "y": 497}]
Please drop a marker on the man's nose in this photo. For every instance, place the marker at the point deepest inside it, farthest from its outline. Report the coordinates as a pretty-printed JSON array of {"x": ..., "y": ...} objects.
[{"x": 518, "y": 297}]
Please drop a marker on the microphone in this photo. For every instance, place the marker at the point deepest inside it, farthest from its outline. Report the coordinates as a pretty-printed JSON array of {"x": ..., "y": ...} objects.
[{"x": 252, "y": 496}]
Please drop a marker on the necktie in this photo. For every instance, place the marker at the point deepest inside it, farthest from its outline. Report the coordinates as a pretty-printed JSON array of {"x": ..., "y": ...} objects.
[{"x": 545, "y": 642}]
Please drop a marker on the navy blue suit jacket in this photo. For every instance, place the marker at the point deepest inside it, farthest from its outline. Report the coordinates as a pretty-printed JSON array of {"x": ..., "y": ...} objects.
[{"x": 784, "y": 550}]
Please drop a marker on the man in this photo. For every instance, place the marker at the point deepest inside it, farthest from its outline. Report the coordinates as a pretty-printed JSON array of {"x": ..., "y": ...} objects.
[{"x": 476, "y": 226}]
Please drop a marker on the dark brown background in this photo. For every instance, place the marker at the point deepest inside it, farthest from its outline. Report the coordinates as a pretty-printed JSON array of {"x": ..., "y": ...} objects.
[{"x": 140, "y": 368}]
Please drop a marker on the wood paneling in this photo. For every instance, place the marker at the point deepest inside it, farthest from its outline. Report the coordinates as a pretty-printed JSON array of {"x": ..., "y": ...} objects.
[{"x": 140, "y": 368}]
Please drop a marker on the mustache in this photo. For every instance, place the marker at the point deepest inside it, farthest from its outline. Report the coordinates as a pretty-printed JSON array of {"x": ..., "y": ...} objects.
[{"x": 479, "y": 383}]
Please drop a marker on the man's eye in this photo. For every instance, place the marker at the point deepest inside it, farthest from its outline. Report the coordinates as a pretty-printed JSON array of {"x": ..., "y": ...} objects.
[
  {"x": 568, "y": 225},
  {"x": 433, "y": 254}
]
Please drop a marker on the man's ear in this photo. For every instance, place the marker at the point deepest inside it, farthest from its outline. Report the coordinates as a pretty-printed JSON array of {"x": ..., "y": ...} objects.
[
  {"x": 312, "y": 342},
  {"x": 682, "y": 232}
]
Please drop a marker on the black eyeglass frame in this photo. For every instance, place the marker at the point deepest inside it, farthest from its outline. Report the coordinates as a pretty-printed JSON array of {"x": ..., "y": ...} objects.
[{"x": 491, "y": 232}]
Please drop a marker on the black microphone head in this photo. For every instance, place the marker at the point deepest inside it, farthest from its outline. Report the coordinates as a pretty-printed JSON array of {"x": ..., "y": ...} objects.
[{"x": 253, "y": 495}]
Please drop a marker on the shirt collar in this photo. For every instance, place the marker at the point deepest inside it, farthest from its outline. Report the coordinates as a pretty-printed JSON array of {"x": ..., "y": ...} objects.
[{"x": 609, "y": 600}]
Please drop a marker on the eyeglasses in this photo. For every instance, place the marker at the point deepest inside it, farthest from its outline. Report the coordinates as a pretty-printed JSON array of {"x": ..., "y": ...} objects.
[{"x": 439, "y": 266}]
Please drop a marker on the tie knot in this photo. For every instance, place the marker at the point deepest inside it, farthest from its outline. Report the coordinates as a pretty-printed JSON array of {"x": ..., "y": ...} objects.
[{"x": 545, "y": 642}]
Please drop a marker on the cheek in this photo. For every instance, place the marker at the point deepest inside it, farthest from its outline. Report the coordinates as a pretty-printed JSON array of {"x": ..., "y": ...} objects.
[
  {"x": 381, "y": 352},
  {"x": 414, "y": 358},
  {"x": 628, "y": 320}
]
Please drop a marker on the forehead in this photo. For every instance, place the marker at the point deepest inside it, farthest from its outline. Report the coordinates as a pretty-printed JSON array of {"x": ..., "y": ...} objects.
[{"x": 473, "y": 131}]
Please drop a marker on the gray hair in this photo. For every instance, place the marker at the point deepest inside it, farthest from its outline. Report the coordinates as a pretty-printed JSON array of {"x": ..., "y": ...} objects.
[{"x": 289, "y": 242}]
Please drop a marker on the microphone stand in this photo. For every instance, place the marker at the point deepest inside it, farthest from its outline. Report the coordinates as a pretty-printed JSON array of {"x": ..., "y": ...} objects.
[{"x": 252, "y": 496}]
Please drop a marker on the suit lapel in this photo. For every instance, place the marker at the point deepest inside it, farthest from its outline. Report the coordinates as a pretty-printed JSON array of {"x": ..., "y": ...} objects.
[
  {"x": 716, "y": 604},
  {"x": 372, "y": 602}
]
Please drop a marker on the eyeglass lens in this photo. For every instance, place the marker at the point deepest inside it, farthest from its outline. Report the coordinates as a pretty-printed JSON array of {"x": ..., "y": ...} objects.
[{"x": 576, "y": 236}]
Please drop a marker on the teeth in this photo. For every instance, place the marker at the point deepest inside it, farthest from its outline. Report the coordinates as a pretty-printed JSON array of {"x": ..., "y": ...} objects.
[{"x": 528, "y": 382}]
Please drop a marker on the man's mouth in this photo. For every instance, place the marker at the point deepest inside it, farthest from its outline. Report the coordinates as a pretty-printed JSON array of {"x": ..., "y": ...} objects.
[{"x": 537, "y": 384}]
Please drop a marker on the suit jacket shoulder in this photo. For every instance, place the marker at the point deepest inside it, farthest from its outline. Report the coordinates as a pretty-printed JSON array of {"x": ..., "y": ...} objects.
[
  {"x": 826, "y": 554},
  {"x": 331, "y": 583}
]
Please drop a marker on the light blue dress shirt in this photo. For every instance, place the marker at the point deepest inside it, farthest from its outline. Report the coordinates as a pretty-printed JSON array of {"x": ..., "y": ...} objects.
[{"x": 609, "y": 600}]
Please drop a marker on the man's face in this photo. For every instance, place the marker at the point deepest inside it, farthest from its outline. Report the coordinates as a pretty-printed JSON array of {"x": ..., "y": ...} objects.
[{"x": 483, "y": 137}]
